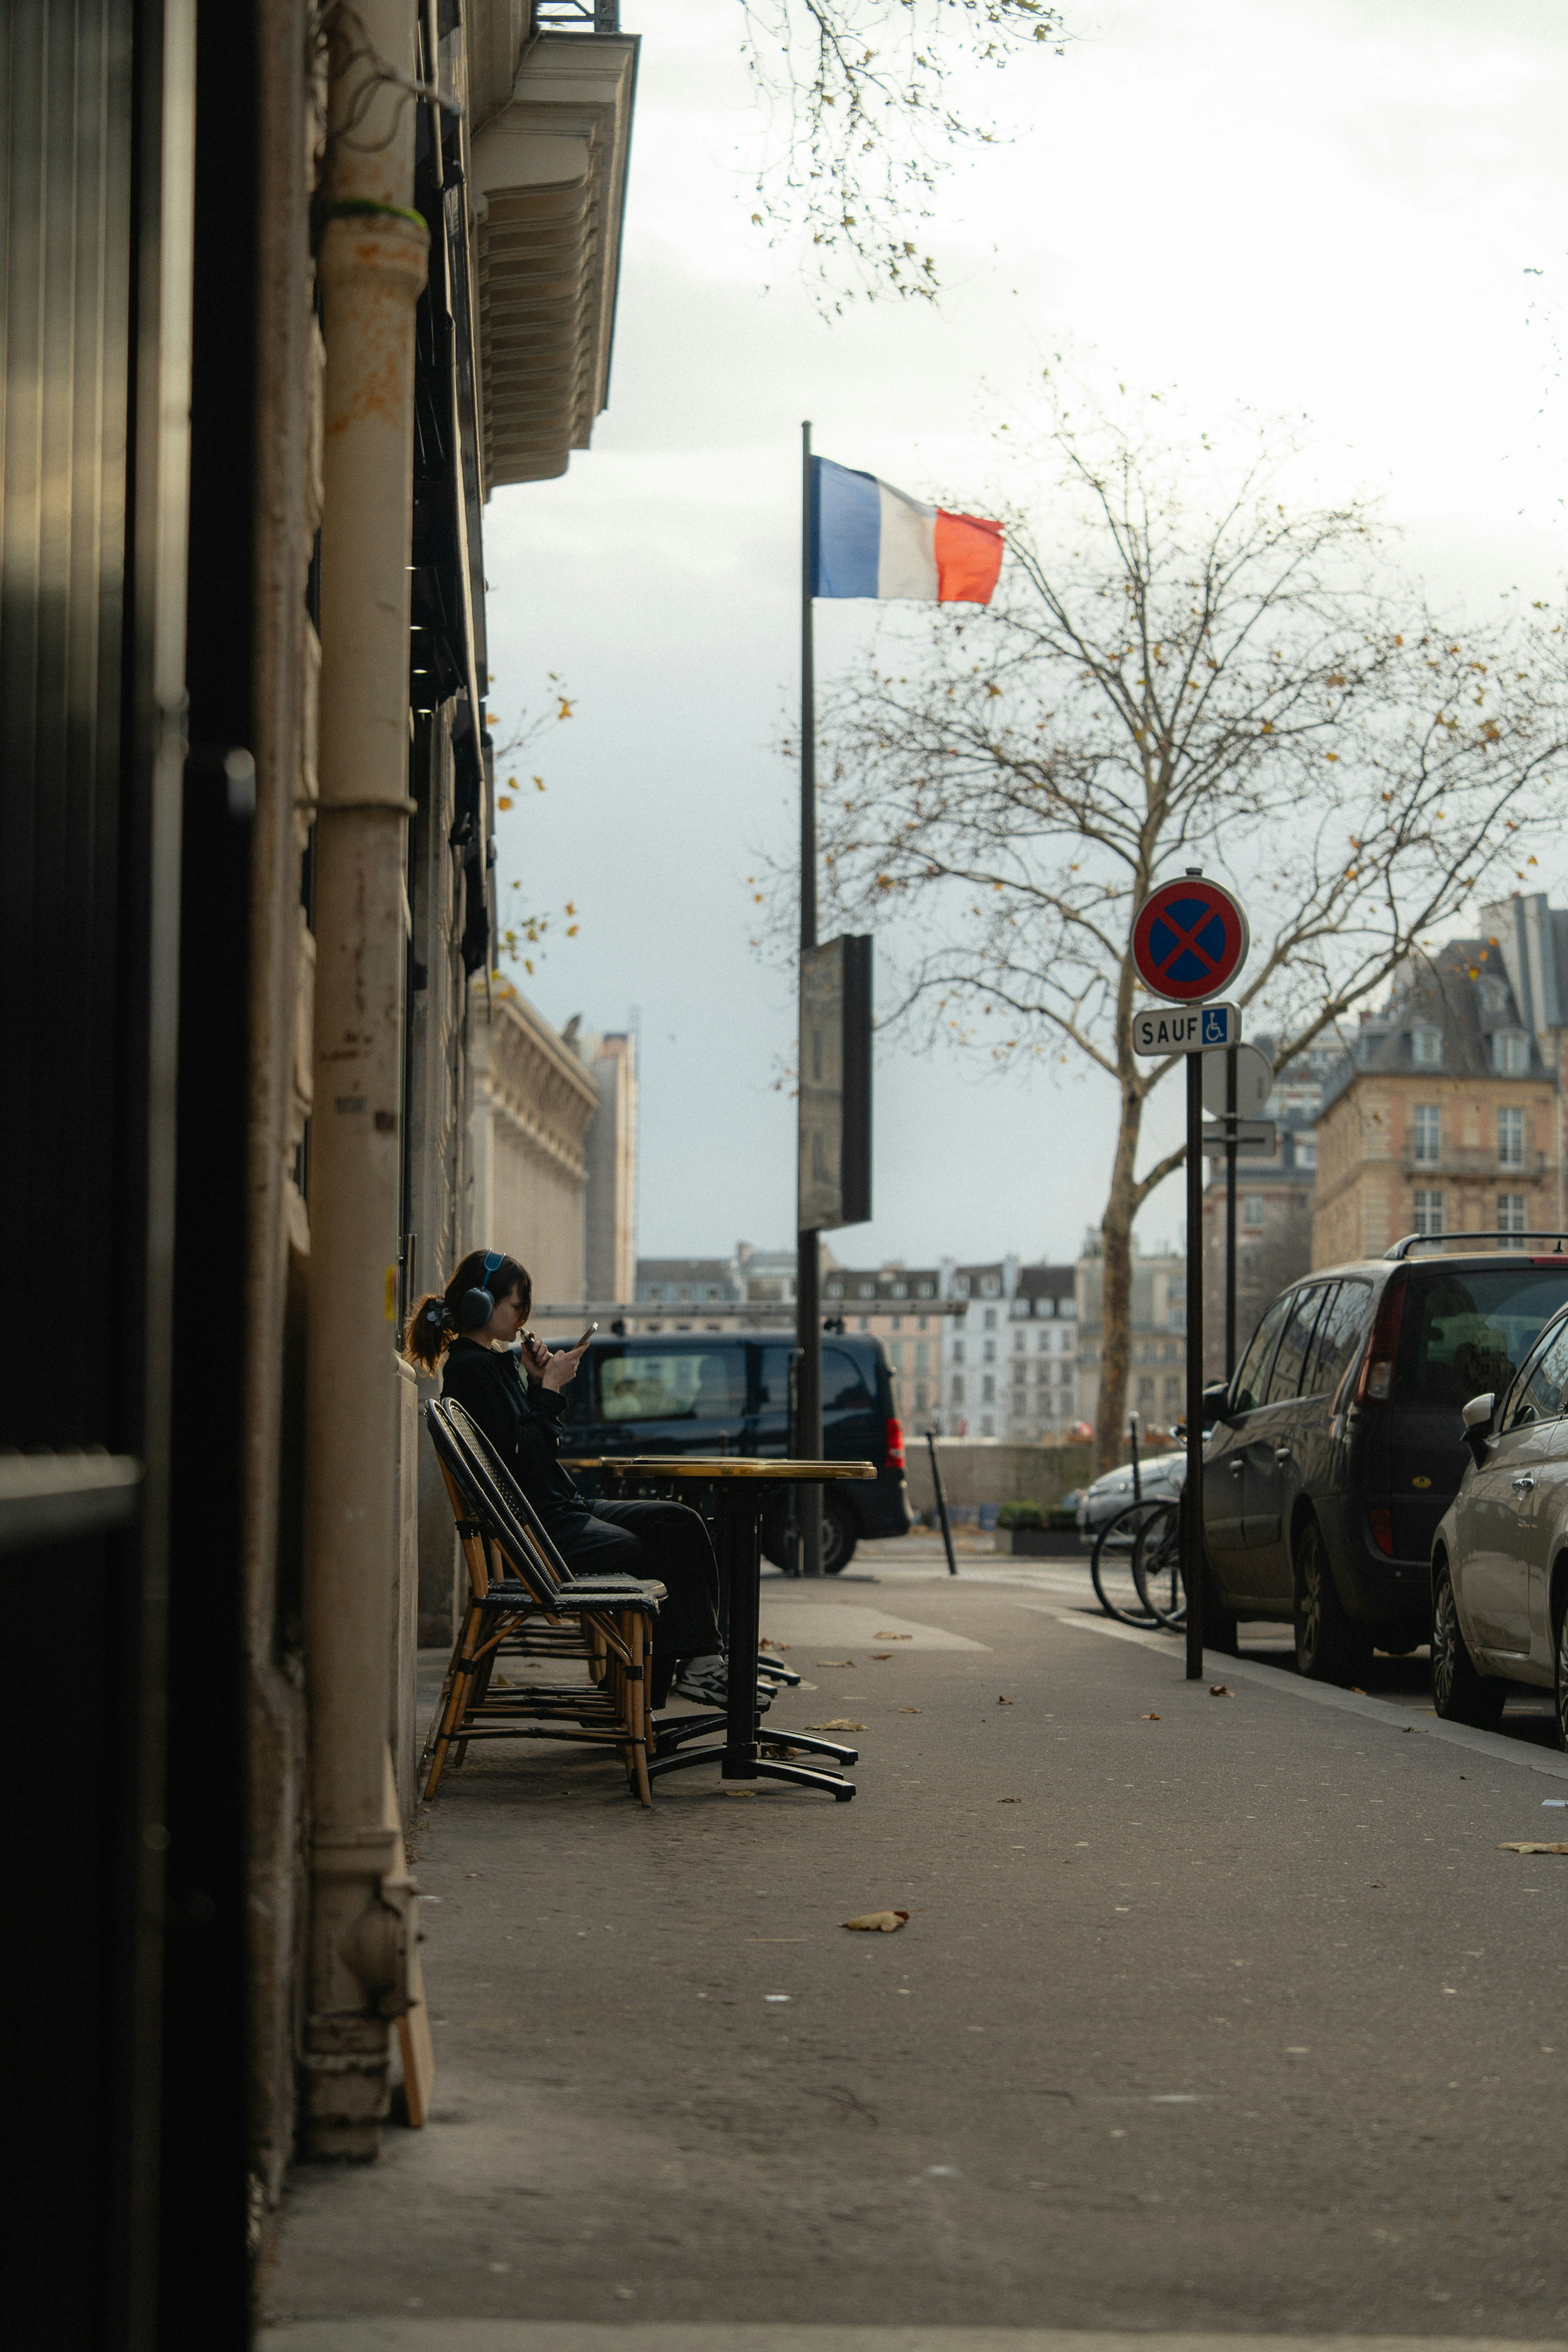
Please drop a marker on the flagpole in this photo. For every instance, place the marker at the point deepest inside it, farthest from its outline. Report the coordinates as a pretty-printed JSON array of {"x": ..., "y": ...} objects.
[{"x": 808, "y": 1311}]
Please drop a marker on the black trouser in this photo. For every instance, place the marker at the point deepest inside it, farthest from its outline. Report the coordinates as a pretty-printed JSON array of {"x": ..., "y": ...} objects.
[{"x": 663, "y": 1541}]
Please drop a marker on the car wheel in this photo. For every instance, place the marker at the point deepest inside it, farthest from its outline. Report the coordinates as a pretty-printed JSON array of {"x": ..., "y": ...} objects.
[
  {"x": 1560, "y": 1675},
  {"x": 839, "y": 1536},
  {"x": 1329, "y": 1647},
  {"x": 1459, "y": 1693}
]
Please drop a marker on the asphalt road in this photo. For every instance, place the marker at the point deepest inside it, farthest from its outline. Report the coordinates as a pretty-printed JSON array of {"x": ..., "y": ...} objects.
[{"x": 1211, "y": 2014}]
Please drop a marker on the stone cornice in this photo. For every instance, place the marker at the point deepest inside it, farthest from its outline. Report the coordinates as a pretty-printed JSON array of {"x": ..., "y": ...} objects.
[{"x": 533, "y": 1080}]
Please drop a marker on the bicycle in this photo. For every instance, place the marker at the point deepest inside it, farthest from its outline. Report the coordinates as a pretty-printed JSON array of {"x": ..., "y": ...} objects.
[
  {"x": 1157, "y": 1568},
  {"x": 1139, "y": 1534}
]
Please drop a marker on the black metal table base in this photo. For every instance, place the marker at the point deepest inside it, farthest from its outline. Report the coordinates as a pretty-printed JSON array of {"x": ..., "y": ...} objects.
[{"x": 738, "y": 1516}]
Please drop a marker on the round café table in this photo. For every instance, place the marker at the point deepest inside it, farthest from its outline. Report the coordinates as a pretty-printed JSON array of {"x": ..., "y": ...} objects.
[{"x": 742, "y": 1490}]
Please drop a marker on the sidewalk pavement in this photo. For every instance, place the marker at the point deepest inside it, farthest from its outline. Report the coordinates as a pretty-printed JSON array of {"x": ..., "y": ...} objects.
[{"x": 1215, "y": 2018}]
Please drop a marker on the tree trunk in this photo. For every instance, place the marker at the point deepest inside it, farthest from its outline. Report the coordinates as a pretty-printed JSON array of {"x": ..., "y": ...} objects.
[{"x": 1116, "y": 1285}]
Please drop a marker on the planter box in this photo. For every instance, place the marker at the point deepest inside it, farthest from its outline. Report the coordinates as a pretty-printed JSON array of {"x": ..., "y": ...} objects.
[{"x": 1044, "y": 1543}]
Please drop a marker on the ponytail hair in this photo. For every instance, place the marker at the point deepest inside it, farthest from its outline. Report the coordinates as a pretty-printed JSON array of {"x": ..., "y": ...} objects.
[{"x": 437, "y": 1319}]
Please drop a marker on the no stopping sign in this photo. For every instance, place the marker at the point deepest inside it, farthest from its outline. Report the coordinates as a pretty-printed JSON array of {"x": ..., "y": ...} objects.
[{"x": 1189, "y": 940}]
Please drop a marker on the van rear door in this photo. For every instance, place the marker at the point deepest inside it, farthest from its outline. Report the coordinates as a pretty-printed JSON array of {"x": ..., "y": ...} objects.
[{"x": 1464, "y": 1329}]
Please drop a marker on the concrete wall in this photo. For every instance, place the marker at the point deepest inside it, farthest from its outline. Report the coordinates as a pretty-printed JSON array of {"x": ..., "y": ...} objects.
[{"x": 973, "y": 1472}]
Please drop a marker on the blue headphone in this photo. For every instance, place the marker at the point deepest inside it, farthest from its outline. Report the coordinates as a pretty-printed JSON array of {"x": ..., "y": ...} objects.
[{"x": 475, "y": 1308}]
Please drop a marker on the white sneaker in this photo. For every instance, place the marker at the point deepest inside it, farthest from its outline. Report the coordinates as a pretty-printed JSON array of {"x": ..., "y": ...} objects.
[{"x": 707, "y": 1682}]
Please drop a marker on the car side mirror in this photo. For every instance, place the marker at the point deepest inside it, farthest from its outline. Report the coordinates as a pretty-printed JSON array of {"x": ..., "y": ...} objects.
[
  {"x": 1477, "y": 1417},
  {"x": 1217, "y": 1401}
]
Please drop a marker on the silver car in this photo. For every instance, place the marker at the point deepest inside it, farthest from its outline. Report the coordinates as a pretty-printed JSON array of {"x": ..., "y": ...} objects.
[
  {"x": 1500, "y": 1561},
  {"x": 1160, "y": 1477}
]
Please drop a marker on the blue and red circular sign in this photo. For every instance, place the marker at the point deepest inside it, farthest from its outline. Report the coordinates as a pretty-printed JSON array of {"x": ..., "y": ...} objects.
[{"x": 1189, "y": 940}]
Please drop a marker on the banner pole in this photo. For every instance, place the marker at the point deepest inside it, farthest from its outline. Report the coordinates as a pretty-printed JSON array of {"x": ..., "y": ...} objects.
[{"x": 808, "y": 1310}]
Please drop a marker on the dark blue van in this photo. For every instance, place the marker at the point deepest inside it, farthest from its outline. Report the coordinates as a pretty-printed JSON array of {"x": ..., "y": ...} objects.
[{"x": 729, "y": 1392}]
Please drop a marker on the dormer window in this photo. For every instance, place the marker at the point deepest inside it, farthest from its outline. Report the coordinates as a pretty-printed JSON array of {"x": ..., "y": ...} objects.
[
  {"x": 1493, "y": 997},
  {"x": 1510, "y": 1053},
  {"x": 1426, "y": 1046},
  {"x": 991, "y": 1286}
]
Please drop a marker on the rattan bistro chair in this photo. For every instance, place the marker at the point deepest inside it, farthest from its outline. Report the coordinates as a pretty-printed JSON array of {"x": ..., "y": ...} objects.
[{"x": 524, "y": 1603}]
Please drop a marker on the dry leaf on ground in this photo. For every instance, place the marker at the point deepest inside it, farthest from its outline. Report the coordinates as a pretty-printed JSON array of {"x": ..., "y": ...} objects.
[
  {"x": 1530, "y": 1845},
  {"x": 1009, "y": 1801},
  {"x": 1003, "y": 1702},
  {"x": 880, "y": 1654},
  {"x": 907, "y": 1710},
  {"x": 767, "y": 1643},
  {"x": 1221, "y": 1690},
  {"x": 893, "y": 1637},
  {"x": 890, "y": 1922},
  {"x": 834, "y": 1661},
  {"x": 1149, "y": 1718},
  {"x": 840, "y": 1723}
]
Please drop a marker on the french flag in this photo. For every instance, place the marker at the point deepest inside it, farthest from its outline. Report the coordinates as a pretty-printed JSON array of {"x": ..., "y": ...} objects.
[{"x": 869, "y": 540}]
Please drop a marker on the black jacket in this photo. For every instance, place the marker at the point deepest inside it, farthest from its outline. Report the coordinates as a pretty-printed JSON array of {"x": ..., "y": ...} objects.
[{"x": 523, "y": 1421}]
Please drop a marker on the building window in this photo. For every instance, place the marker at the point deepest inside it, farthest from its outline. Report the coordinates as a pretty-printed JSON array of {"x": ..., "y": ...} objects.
[
  {"x": 1511, "y": 1138},
  {"x": 988, "y": 1389},
  {"x": 1510, "y": 1053},
  {"x": 895, "y": 1356},
  {"x": 1427, "y": 1134},
  {"x": 958, "y": 1351},
  {"x": 835, "y": 1290},
  {"x": 1252, "y": 1209},
  {"x": 921, "y": 1323},
  {"x": 895, "y": 1322},
  {"x": 900, "y": 1290},
  {"x": 864, "y": 1322},
  {"x": 960, "y": 1285},
  {"x": 957, "y": 1388},
  {"x": 1306, "y": 1151},
  {"x": 1510, "y": 1212},
  {"x": 925, "y": 1291},
  {"x": 991, "y": 1286},
  {"x": 1020, "y": 1341},
  {"x": 1145, "y": 1392},
  {"x": 989, "y": 1319},
  {"x": 922, "y": 1355},
  {"x": 1428, "y": 1211},
  {"x": 988, "y": 1351},
  {"x": 1020, "y": 1374},
  {"x": 987, "y": 1426},
  {"x": 1426, "y": 1046}
]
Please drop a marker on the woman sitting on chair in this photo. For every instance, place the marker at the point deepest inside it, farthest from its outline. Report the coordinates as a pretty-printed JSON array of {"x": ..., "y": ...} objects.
[{"x": 468, "y": 1333}]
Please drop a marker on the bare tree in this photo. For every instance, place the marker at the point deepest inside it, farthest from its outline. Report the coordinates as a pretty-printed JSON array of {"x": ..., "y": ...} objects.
[
  {"x": 863, "y": 108},
  {"x": 1157, "y": 687}
]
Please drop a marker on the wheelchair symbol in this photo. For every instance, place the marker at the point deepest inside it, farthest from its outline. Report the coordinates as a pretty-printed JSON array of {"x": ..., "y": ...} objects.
[{"x": 1216, "y": 1027}]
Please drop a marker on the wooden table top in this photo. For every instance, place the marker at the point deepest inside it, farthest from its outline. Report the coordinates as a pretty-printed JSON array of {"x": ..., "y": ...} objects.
[{"x": 720, "y": 1465}]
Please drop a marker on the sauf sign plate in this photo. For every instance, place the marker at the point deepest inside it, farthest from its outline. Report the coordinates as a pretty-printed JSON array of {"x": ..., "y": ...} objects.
[{"x": 1183, "y": 1029}]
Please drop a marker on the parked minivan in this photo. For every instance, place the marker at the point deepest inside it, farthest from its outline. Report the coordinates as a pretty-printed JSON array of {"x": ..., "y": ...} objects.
[
  {"x": 729, "y": 1392},
  {"x": 1340, "y": 1443}
]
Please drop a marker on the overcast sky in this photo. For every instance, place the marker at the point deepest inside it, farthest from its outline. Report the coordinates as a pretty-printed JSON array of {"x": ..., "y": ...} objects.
[{"x": 1332, "y": 212}]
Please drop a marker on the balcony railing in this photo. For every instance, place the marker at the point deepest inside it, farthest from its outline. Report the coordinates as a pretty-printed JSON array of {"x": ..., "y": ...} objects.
[
  {"x": 1454, "y": 1161},
  {"x": 576, "y": 17}
]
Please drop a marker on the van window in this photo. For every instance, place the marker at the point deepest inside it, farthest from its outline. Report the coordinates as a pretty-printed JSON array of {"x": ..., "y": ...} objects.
[
  {"x": 1285, "y": 1380},
  {"x": 1539, "y": 1395},
  {"x": 1334, "y": 1341},
  {"x": 843, "y": 1388},
  {"x": 1247, "y": 1390},
  {"x": 691, "y": 1385},
  {"x": 1465, "y": 1331}
]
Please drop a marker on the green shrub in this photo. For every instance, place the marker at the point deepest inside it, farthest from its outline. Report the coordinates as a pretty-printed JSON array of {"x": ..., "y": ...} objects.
[
  {"x": 1020, "y": 1515},
  {"x": 1062, "y": 1514}
]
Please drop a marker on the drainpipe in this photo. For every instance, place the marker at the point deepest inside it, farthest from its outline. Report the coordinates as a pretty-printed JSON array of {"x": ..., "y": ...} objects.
[{"x": 372, "y": 268}]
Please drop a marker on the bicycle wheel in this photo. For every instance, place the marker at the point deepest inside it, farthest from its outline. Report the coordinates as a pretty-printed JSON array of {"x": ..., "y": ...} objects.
[
  {"x": 1111, "y": 1565},
  {"x": 1157, "y": 1567}
]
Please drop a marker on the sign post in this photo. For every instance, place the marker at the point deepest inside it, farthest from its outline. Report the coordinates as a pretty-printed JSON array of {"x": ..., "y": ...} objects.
[{"x": 1189, "y": 940}]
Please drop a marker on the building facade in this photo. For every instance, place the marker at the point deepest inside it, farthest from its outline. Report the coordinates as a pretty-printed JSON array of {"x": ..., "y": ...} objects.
[
  {"x": 1156, "y": 1384},
  {"x": 290, "y": 292},
  {"x": 1275, "y": 1195},
  {"x": 1442, "y": 1117},
  {"x": 1040, "y": 1391}
]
